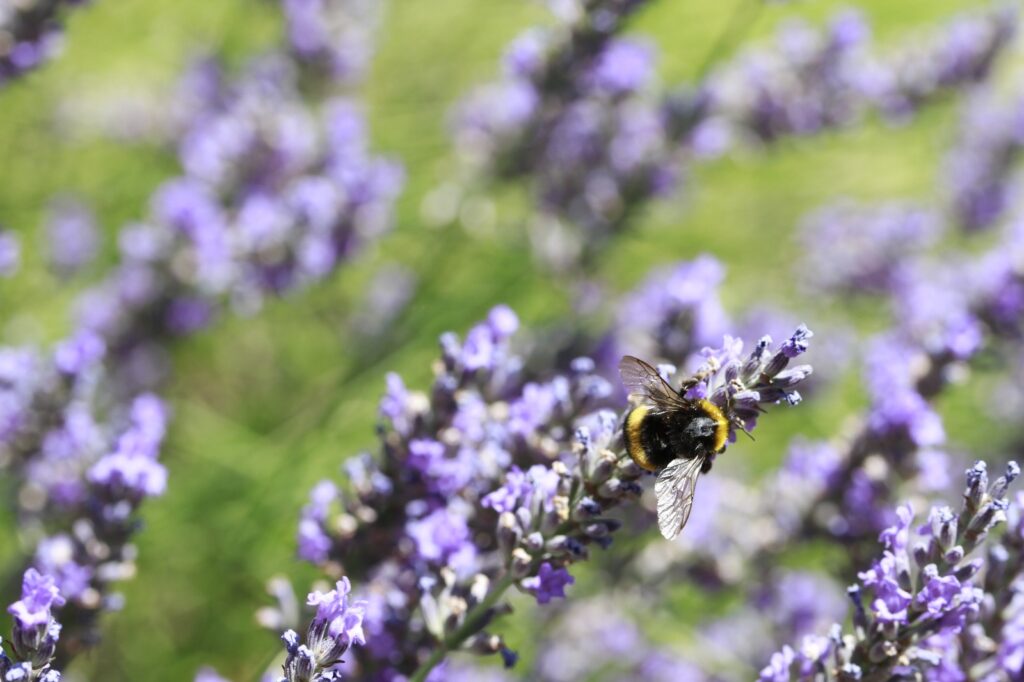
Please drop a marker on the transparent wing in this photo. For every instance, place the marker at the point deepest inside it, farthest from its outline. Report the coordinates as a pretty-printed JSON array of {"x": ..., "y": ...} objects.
[
  {"x": 674, "y": 490},
  {"x": 644, "y": 382}
]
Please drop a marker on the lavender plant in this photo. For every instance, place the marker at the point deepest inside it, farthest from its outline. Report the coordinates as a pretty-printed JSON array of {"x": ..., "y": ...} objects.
[
  {"x": 923, "y": 607},
  {"x": 843, "y": 489},
  {"x": 506, "y": 472},
  {"x": 72, "y": 238},
  {"x": 30, "y": 35},
  {"x": 583, "y": 119},
  {"x": 979, "y": 167},
  {"x": 490, "y": 482},
  {"x": 268, "y": 203}
]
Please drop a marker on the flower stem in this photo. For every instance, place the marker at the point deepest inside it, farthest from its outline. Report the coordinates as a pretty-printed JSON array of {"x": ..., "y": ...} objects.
[
  {"x": 741, "y": 19},
  {"x": 468, "y": 628}
]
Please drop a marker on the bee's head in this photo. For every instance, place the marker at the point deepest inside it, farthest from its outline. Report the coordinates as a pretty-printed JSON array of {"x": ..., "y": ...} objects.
[{"x": 701, "y": 431}]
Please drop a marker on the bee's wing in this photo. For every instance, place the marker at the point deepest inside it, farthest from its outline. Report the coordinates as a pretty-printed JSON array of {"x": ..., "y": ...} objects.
[
  {"x": 674, "y": 490},
  {"x": 643, "y": 381}
]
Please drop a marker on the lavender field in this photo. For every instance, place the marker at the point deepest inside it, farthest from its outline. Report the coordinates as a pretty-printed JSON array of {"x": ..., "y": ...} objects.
[{"x": 329, "y": 298}]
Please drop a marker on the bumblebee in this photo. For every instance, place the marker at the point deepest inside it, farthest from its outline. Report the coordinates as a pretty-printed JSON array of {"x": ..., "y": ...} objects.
[{"x": 675, "y": 436}]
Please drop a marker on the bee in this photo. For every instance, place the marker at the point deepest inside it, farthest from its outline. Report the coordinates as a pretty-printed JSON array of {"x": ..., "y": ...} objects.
[{"x": 670, "y": 434}]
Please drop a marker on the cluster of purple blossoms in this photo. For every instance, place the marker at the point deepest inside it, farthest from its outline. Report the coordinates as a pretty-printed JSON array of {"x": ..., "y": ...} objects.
[
  {"x": 30, "y": 34},
  {"x": 946, "y": 312},
  {"x": 597, "y": 639},
  {"x": 276, "y": 195},
  {"x": 923, "y": 607},
  {"x": 279, "y": 190},
  {"x": 334, "y": 629},
  {"x": 856, "y": 248},
  {"x": 491, "y": 481},
  {"x": 673, "y": 313},
  {"x": 575, "y": 113},
  {"x": 33, "y": 643},
  {"x": 579, "y": 113},
  {"x": 72, "y": 237},
  {"x": 83, "y": 478},
  {"x": 334, "y": 36},
  {"x": 814, "y": 82},
  {"x": 803, "y": 86},
  {"x": 980, "y": 166}
]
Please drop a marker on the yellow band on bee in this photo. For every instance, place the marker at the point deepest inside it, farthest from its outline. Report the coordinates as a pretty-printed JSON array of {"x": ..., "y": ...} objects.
[
  {"x": 636, "y": 450},
  {"x": 721, "y": 423}
]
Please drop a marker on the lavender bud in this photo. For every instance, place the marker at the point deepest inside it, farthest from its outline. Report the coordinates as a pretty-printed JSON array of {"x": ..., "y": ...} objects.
[
  {"x": 885, "y": 649},
  {"x": 603, "y": 468},
  {"x": 534, "y": 542},
  {"x": 923, "y": 552},
  {"x": 990, "y": 516},
  {"x": 509, "y": 658},
  {"x": 968, "y": 570},
  {"x": 860, "y": 619},
  {"x": 977, "y": 482},
  {"x": 509, "y": 534},
  {"x": 588, "y": 507},
  {"x": 611, "y": 488},
  {"x": 792, "y": 376},
  {"x": 521, "y": 563},
  {"x": 999, "y": 488},
  {"x": 943, "y": 527},
  {"x": 752, "y": 367},
  {"x": 628, "y": 470},
  {"x": 850, "y": 672}
]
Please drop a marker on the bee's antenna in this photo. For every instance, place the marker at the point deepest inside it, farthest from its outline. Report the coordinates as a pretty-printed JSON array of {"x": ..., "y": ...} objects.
[{"x": 741, "y": 427}]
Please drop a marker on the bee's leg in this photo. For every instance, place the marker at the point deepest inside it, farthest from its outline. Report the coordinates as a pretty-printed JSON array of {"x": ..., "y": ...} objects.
[
  {"x": 710, "y": 367},
  {"x": 706, "y": 467}
]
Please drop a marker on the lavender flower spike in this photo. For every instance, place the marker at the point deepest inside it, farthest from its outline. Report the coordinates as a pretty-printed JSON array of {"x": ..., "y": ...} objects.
[
  {"x": 922, "y": 610},
  {"x": 741, "y": 386},
  {"x": 33, "y": 642},
  {"x": 337, "y": 625}
]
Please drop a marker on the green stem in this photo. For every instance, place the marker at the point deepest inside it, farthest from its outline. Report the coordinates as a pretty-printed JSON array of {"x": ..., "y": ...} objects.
[
  {"x": 738, "y": 23},
  {"x": 468, "y": 628}
]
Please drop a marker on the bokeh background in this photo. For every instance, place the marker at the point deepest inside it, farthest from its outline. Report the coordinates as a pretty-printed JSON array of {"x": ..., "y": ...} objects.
[{"x": 266, "y": 405}]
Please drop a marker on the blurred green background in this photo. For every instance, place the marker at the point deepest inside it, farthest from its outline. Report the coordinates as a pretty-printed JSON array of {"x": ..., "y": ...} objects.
[{"x": 266, "y": 406}]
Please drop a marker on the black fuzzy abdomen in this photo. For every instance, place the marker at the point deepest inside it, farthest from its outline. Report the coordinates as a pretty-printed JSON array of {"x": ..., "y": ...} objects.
[
  {"x": 665, "y": 436},
  {"x": 655, "y": 440}
]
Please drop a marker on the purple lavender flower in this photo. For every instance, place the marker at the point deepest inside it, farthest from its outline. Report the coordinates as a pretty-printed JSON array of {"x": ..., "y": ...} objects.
[
  {"x": 334, "y": 36},
  {"x": 336, "y": 627},
  {"x": 625, "y": 67},
  {"x": 131, "y": 470},
  {"x": 443, "y": 537},
  {"x": 854, "y": 249},
  {"x": 488, "y": 481},
  {"x": 33, "y": 643},
  {"x": 548, "y": 584},
  {"x": 71, "y": 236},
  {"x": 914, "y": 598},
  {"x": 279, "y": 189},
  {"x": 39, "y": 594},
  {"x": 673, "y": 313}
]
